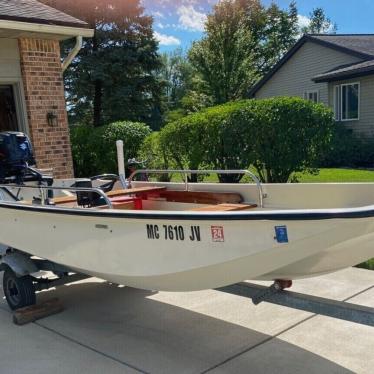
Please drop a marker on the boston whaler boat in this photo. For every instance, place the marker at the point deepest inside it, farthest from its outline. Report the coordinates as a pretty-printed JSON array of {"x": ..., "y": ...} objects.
[{"x": 181, "y": 236}]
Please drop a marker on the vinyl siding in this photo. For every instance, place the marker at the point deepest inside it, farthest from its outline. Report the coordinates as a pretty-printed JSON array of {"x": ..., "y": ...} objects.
[
  {"x": 10, "y": 69},
  {"x": 365, "y": 125},
  {"x": 295, "y": 76}
]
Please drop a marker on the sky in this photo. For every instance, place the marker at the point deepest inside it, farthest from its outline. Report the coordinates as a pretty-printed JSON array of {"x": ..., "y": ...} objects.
[{"x": 177, "y": 23}]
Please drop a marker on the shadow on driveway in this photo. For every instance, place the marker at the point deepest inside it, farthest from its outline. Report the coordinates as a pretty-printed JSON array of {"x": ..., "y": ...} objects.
[{"x": 152, "y": 336}]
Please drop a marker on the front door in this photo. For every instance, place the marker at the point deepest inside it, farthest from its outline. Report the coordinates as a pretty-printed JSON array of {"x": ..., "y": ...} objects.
[{"x": 8, "y": 114}]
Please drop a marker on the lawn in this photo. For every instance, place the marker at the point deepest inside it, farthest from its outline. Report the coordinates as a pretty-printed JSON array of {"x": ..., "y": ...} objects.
[
  {"x": 338, "y": 175},
  {"x": 323, "y": 176}
]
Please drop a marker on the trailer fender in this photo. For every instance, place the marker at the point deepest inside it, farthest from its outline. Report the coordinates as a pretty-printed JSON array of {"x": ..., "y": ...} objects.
[{"x": 20, "y": 263}]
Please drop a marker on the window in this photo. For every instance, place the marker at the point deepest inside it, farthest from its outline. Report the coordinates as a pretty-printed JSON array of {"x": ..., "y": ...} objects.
[
  {"x": 312, "y": 96},
  {"x": 8, "y": 115},
  {"x": 347, "y": 102},
  {"x": 12, "y": 106}
]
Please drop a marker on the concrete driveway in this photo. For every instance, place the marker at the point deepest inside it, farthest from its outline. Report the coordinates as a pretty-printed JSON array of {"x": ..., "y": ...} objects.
[{"x": 109, "y": 329}]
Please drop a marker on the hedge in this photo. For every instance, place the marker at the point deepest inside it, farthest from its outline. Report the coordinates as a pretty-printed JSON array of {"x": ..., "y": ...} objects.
[
  {"x": 278, "y": 136},
  {"x": 94, "y": 149},
  {"x": 349, "y": 150}
]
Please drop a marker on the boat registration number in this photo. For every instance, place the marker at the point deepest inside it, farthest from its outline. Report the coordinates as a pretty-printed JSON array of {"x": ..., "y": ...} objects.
[{"x": 174, "y": 232}]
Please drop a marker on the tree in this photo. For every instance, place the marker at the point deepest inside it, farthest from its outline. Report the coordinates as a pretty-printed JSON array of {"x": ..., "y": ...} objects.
[
  {"x": 176, "y": 72},
  {"x": 320, "y": 23},
  {"x": 277, "y": 36},
  {"x": 243, "y": 40},
  {"x": 223, "y": 57},
  {"x": 185, "y": 92},
  {"x": 115, "y": 74}
]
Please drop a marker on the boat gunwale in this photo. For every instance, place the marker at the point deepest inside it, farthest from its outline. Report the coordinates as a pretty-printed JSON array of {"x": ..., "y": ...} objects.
[{"x": 270, "y": 215}]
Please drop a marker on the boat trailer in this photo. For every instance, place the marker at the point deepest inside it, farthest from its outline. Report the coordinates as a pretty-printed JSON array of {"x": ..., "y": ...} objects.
[
  {"x": 23, "y": 276},
  {"x": 276, "y": 294},
  {"x": 21, "y": 282}
]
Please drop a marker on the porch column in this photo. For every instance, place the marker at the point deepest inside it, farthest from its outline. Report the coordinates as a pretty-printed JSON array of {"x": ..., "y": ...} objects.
[{"x": 44, "y": 93}]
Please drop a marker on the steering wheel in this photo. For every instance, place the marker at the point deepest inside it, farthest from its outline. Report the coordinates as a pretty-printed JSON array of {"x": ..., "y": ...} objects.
[{"x": 108, "y": 186}]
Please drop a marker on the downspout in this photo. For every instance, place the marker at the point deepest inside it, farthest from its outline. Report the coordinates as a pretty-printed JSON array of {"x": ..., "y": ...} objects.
[{"x": 73, "y": 53}]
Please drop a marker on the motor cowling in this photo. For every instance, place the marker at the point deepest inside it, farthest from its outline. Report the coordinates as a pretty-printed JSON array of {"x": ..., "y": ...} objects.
[{"x": 16, "y": 154}]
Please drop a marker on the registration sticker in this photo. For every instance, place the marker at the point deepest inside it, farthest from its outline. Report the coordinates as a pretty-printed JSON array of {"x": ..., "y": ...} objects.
[
  {"x": 217, "y": 233},
  {"x": 281, "y": 234}
]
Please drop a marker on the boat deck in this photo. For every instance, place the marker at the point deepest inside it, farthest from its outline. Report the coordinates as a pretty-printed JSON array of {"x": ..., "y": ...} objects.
[
  {"x": 108, "y": 329},
  {"x": 161, "y": 198}
]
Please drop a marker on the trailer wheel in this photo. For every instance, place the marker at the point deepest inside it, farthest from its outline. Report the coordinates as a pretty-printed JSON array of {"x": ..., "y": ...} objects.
[{"x": 19, "y": 292}]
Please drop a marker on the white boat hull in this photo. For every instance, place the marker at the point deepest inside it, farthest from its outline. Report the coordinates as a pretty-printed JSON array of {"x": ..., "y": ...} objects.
[{"x": 146, "y": 250}]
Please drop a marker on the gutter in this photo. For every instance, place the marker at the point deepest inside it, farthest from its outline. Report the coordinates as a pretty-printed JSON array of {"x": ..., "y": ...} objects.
[
  {"x": 56, "y": 31},
  {"x": 73, "y": 53}
]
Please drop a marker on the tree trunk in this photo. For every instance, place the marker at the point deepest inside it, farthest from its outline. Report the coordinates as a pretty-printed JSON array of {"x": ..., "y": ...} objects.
[{"x": 98, "y": 89}]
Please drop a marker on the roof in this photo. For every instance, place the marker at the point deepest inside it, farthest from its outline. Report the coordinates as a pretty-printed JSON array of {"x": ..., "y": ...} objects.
[
  {"x": 33, "y": 11},
  {"x": 346, "y": 72},
  {"x": 358, "y": 45}
]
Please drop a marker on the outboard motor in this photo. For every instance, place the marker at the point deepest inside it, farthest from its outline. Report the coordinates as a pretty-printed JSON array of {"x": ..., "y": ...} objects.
[
  {"x": 15, "y": 156},
  {"x": 17, "y": 159}
]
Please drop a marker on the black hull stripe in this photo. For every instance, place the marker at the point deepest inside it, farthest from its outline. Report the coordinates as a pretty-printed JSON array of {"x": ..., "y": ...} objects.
[{"x": 242, "y": 216}]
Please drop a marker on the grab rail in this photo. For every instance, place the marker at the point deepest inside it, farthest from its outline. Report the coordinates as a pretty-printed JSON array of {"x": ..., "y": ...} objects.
[
  {"x": 261, "y": 195},
  {"x": 42, "y": 190}
]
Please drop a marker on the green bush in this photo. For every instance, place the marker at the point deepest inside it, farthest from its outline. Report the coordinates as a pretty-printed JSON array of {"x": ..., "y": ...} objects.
[
  {"x": 345, "y": 148},
  {"x": 348, "y": 149},
  {"x": 84, "y": 157},
  {"x": 278, "y": 136},
  {"x": 94, "y": 149},
  {"x": 212, "y": 138},
  {"x": 289, "y": 135},
  {"x": 156, "y": 155}
]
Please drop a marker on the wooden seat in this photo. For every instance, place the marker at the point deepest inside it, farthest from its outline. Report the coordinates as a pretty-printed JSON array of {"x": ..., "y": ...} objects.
[
  {"x": 224, "y": 207},
  {"x": 197, "y": 197},
  {"x": 135, "y": 191}
]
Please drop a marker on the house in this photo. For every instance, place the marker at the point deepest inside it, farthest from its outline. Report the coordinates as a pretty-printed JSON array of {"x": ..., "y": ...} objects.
[
  {"x": 31, "y": 85},
  {"x": 337, "y": 70}
]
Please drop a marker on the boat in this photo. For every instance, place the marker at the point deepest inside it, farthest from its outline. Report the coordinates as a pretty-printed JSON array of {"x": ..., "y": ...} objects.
[{"x": 183, "y": 236}]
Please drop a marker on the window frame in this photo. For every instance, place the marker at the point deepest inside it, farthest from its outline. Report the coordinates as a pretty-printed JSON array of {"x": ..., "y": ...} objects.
[
  {"x": 336, "y": 101},
  {"x": 308, "y": 92},
  {"x": 341, "y": 101}
]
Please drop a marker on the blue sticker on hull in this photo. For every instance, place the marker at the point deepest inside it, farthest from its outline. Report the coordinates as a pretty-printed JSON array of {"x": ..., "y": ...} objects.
[{"x": 281, "y": 234}]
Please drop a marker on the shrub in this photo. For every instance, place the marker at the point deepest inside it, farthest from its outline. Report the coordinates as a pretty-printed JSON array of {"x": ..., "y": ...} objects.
[
  {"x": 156, "y": 155},
  {"x": 278, "y": 136},
  {"x": 213, "y": 138},
  {"x": 94, "y": 149},
  {"x": 366, "y": 154},
  {"x": 289, "y": 135},
  {"x": 348, "y": 149},
  {"x": 84, "y": 157},
  {"x": 345, "y": 148}
]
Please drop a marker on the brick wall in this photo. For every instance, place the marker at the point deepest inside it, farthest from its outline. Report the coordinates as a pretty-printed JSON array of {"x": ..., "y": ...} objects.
[{"x": 44, "y": 91}]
